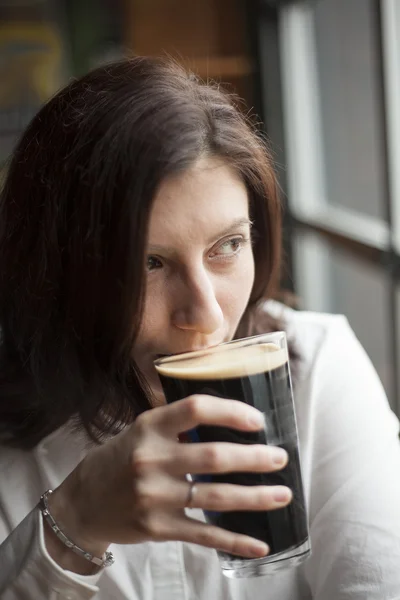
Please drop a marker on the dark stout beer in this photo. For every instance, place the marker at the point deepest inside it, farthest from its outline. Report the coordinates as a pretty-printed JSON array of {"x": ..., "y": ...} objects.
[{"x": 258, "y": 375}]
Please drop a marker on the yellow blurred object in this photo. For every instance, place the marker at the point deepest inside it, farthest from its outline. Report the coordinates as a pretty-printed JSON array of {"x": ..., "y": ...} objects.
[{"x": 30, "y": 62}]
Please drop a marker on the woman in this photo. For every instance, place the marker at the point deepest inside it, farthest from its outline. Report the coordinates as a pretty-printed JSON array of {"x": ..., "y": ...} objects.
[{"x": 139, "y": 218}]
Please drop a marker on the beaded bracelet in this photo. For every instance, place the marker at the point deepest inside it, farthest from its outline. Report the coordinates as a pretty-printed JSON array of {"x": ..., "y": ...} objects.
[{"x": 105, "y": 561}]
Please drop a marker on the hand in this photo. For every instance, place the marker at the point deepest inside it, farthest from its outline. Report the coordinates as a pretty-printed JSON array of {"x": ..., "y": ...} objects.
[{"x": 133, "y": 488}]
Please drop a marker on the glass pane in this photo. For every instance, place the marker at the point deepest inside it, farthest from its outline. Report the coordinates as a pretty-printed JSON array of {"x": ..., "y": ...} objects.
[
  {"x": 33, "y": 63},
  {"x": 41, "y": 44},
  {"x": 391, "y": 51},
  {"x": 351, "y": 287},
  {"x": 347, "y": 56},
  {"x": 398, "y": 344}
]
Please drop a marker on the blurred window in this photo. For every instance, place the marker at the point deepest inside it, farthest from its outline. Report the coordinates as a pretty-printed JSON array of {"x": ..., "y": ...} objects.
[
  {"x": 350, "y": 104},
  {"x": 338, "y": 70},
  {"x": 33, "y": 63},
  {"x": 331, "y": 279}
]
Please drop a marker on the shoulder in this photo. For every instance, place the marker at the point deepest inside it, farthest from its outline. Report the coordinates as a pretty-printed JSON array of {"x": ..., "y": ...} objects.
[
  {"x": 318, "y": 323},
  {"x": 336, "y": 382},
  {"x": 316, "y": 337}
]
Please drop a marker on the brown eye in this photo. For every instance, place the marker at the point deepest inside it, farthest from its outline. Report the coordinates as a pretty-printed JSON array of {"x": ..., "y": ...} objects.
[
  {"x": 153, "y": 263},
  {"x": 229, "y": 247}
]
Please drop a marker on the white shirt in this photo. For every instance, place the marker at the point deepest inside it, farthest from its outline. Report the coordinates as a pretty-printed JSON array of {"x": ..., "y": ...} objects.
[{"x": 351, "y": 468}]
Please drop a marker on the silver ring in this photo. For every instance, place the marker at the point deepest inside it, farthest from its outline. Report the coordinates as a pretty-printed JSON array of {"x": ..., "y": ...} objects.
[{"x": 192, "y": 491}]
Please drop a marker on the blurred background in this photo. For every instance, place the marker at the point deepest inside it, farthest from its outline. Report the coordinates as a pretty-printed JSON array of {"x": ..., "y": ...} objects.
[{"x": 323, "y": 76}]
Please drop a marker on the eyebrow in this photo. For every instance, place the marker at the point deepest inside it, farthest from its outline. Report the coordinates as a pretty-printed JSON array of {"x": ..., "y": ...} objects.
[
  {"x": 242, "y": 222},
  {"x": 237, "y": 223}
]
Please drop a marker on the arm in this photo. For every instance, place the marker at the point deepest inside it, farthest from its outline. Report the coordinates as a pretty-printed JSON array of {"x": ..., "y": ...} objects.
[
  {"x": 129, "y": 490},
  {"x": 27, "y": 570},
  {"x": 355, "y": 487}
]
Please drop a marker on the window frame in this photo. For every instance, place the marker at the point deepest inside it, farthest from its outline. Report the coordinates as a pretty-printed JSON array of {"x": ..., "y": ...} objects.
[{"x": 307, "y": 210}]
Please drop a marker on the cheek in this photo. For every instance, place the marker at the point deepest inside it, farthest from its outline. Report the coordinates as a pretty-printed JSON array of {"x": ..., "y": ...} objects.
[
  {"x": 239, "y": 288},
  {"x": 247, "y": 273},
  {"x": 153, "y": 320}
]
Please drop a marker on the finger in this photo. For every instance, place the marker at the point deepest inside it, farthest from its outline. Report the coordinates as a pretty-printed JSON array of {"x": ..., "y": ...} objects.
[
  {"x": 223, "y": 457},
  {"x": 190, "y": 530},
  {"x": 167, "y": 493},
  {"x": 207, "y": 410},
  {"x": 223, "y": 497}
]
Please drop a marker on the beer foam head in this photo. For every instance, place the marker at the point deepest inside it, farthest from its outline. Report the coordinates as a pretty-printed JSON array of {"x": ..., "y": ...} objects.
[{"x": 226, "y": 364}]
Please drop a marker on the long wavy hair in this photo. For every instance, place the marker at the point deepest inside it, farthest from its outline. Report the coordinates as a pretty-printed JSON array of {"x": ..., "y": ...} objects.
[{"x": 74, "y": 214}]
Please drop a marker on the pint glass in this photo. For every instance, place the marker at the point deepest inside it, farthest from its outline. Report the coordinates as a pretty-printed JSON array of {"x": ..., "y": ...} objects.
[{"x": 254, "y": 370}]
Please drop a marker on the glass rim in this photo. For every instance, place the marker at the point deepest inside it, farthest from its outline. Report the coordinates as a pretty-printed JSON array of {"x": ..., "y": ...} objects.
[{"x": 242, "y": 342}]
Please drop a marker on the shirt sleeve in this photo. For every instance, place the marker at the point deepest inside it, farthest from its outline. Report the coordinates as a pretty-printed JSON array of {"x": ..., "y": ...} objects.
[
  {"x": 28, "y": 572},
  {"x": 355, "y": 486}
]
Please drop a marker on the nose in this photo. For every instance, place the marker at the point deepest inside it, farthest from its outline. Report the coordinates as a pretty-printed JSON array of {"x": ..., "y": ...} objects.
[{"x": 197, "y": 308}]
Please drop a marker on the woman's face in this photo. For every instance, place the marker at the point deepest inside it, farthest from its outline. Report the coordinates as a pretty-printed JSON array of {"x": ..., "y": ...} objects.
[{"x": 200, "y": 266}]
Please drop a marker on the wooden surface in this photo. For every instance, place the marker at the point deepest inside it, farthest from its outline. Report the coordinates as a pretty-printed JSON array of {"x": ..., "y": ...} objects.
[{"x": 209, "y": 37}]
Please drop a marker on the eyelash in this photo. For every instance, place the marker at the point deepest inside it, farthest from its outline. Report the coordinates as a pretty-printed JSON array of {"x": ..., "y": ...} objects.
[
  {"x": 241, "y": 241},
  {"x": 238, "y": 240}
]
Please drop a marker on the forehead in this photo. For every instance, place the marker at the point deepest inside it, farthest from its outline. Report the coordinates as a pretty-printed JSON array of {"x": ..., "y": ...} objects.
[{"x": 205, "y": 197}]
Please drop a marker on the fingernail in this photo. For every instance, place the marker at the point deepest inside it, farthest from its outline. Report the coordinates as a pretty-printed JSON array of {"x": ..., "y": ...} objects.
[
  {"x": 257, "y": 419},
  {"x": 259, "y": 549},
  {"x": 282, "y": 494},
  {"x": 279, "y": 456}
]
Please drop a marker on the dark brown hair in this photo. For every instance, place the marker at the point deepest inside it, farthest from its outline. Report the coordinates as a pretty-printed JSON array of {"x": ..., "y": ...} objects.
[{"x": 73, "y": 223}]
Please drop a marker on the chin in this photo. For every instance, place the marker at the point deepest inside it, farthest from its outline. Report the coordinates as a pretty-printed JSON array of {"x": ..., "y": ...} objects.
[
  {"x": 156, "y": 389},
  {"x": 158, "y": 397}
]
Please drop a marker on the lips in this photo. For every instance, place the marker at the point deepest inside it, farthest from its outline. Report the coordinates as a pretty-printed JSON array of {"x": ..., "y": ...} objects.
[{"x": 187, "y": 350}]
